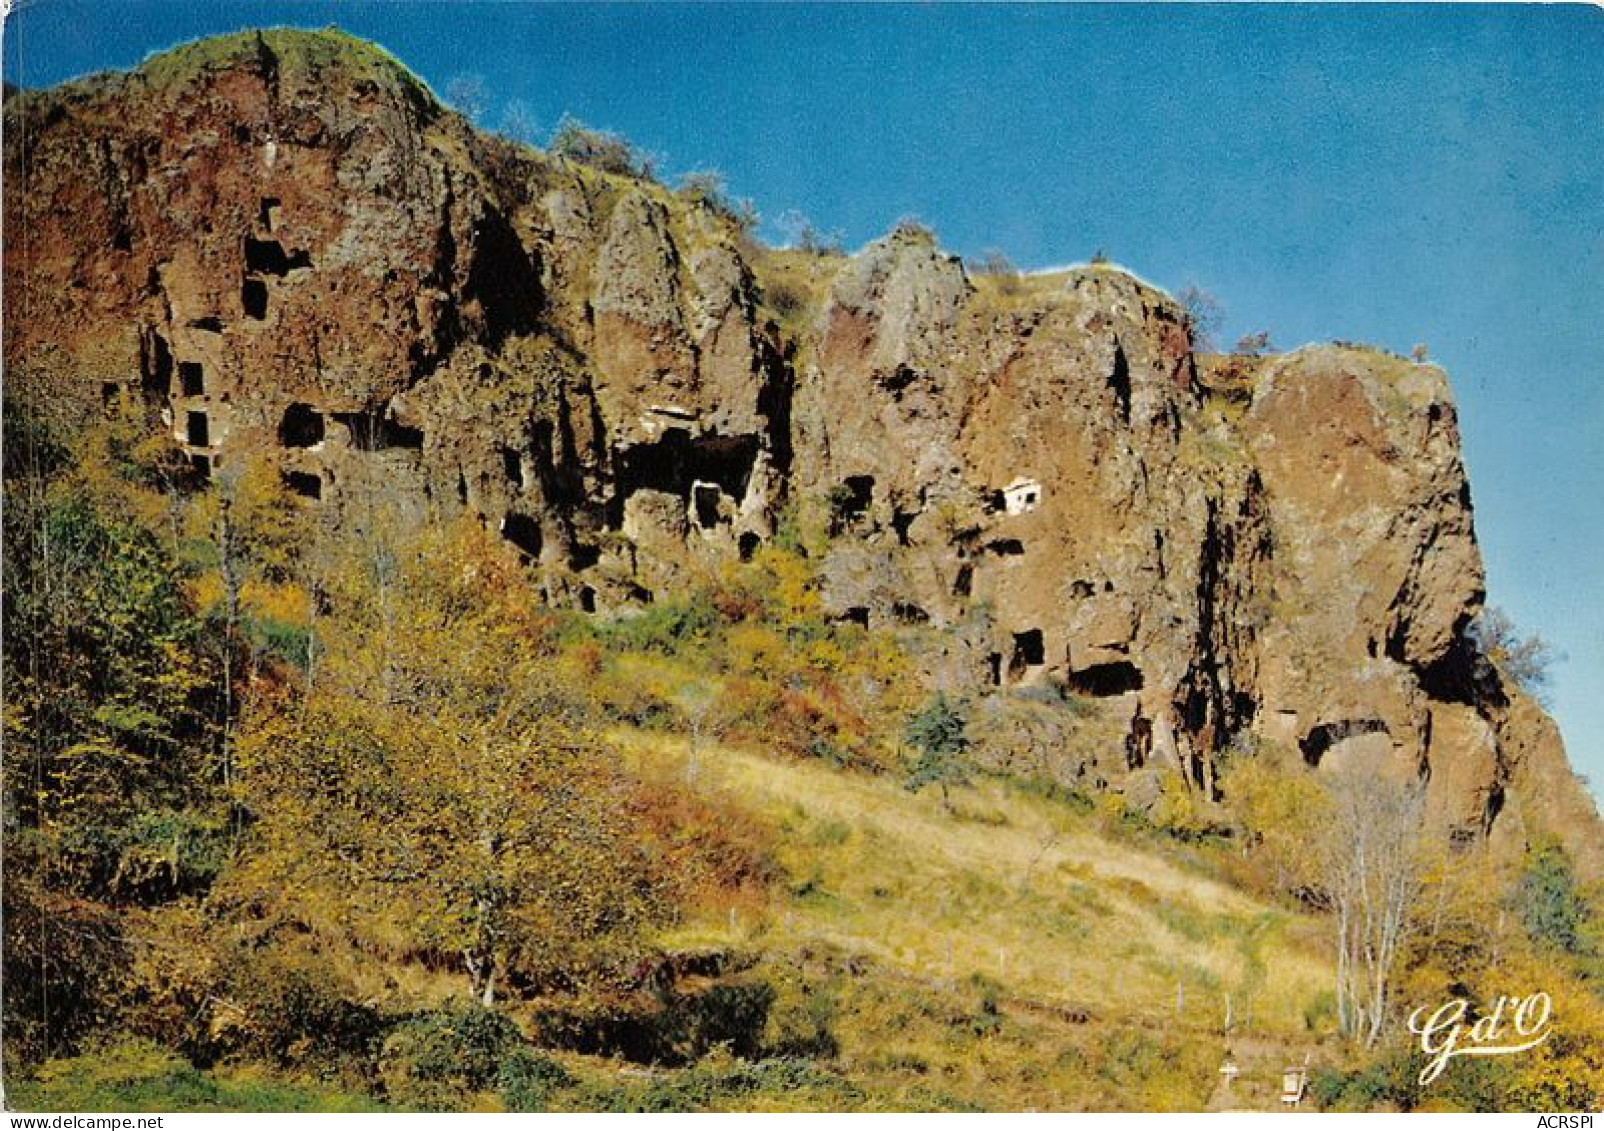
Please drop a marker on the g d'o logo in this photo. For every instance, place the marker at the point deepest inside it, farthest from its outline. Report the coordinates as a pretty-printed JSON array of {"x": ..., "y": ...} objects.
[{"x": 1513, "y": 1025}]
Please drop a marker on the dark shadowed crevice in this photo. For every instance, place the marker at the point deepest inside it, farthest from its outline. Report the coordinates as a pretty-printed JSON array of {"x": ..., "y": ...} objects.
[
  {"x": 504, "y": 278},
  {"x": 156, "y": 378},
  {"x": 1460, "y": 675},
  {"x": 512, "y": 467},
  {"x": 901, "y": 522},
  {"x": 908, "y": 613},
  {"x": 1119, "y": 379}
]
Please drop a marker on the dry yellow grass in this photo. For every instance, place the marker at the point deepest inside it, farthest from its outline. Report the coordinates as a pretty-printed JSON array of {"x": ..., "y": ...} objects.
[{"x": 1019, "y": 889}]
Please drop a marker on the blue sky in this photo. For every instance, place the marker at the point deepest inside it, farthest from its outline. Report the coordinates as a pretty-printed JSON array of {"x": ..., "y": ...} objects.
[{"x": 1394, "y": 175}]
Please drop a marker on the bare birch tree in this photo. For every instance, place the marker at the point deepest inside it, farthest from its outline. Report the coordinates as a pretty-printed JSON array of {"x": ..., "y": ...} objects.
[{"x": 1371, "y": 869}]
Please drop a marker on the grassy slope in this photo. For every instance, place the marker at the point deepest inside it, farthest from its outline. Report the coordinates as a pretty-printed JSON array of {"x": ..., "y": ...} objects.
[{"x": 1086, "y": 942}]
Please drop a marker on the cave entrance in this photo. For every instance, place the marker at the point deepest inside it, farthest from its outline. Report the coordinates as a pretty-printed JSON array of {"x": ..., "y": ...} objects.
[
  {"x": 268, "y": 257},
  {"x": 371, "y": 432},
  {"x": 851, "y": 500},
  {"x": 512, "y": 465},
  {"x": 191, "y": 379},
  {"x": 302, "y": 427},
  {"x": 704, "y": 504},
  {"x": 1319, "y": 741},
  {"x": 304, "y": 483},
  {"x": 197, "y": 431},
  {"x": 523, "y": 532},
  {"x": 158, "y": 375},
  {"x": 1105, "y": 680},
  {"x": 1030, "y": 654},
  {"x": 747, "y": 545},
  {"x": 676, "y": 464},
  {"x": 253, "y": 297}
]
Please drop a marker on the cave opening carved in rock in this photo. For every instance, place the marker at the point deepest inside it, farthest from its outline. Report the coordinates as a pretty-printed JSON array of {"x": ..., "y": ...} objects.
[
  {"x": 704, "y": 504},
  {"x": 851, "y": 500},
  {"x": 512, "y": 465},
  {"x": 374, "y": 432},
  {"x": 157, "y": 378},
  {"x": 523, "y": 532},
  {"x": 197, "y": 430},
  {"x": 1105, "y": 680},
  {"x": 1029, "y": 654},
  {"x": 675, "y": 463},
  {"x": 301, "y": 427},
  {"x": 253, "y": 297},
  {"x": 268, "y": 257},
  {"x": 191, "y": 379},
  {"x": 304, "y": 483},
  {"x": 1319, "y": 741}
]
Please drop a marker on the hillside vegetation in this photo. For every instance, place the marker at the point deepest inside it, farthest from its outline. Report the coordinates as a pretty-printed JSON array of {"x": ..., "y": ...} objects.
[
  {"x": 624, "y": 667},
  {"x": 370, "y": 817}
]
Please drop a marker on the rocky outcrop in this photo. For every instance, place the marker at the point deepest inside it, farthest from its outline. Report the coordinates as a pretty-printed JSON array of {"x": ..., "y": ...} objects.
[{"x": 294, "y": 253}]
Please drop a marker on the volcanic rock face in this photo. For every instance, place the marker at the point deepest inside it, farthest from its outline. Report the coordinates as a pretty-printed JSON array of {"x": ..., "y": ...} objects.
[{"x": 295, "y": 253}]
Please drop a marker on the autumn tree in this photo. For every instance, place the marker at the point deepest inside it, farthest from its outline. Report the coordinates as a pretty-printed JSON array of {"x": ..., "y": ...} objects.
[
  {"x": 247, "y": 532},
  {"x": 470, "y": 802},
  {"x": 107, "y": 795},
  {"x": 1526, "y": 660}
]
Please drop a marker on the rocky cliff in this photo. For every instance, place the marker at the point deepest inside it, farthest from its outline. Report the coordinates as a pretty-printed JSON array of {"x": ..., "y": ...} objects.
[{"x": 293, "y": 251}]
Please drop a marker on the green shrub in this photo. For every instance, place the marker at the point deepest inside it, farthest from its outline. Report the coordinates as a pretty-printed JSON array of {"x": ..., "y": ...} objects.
[
  {"x": 295, "y": 1012},
  {"x": 669, "y": 628},
  {"x": 527, "y": 1080},
  {"x": 434, "y": 1060},
  {"x": 139, "y": 1075},
  {"x": 1386, "y": 1082},
  {"x": 1320, "y": 1013},
  {"x": 1551, "y": 906},
  {"x": 600, "y": 149},
  {"x": 712, "y": 1085}
]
